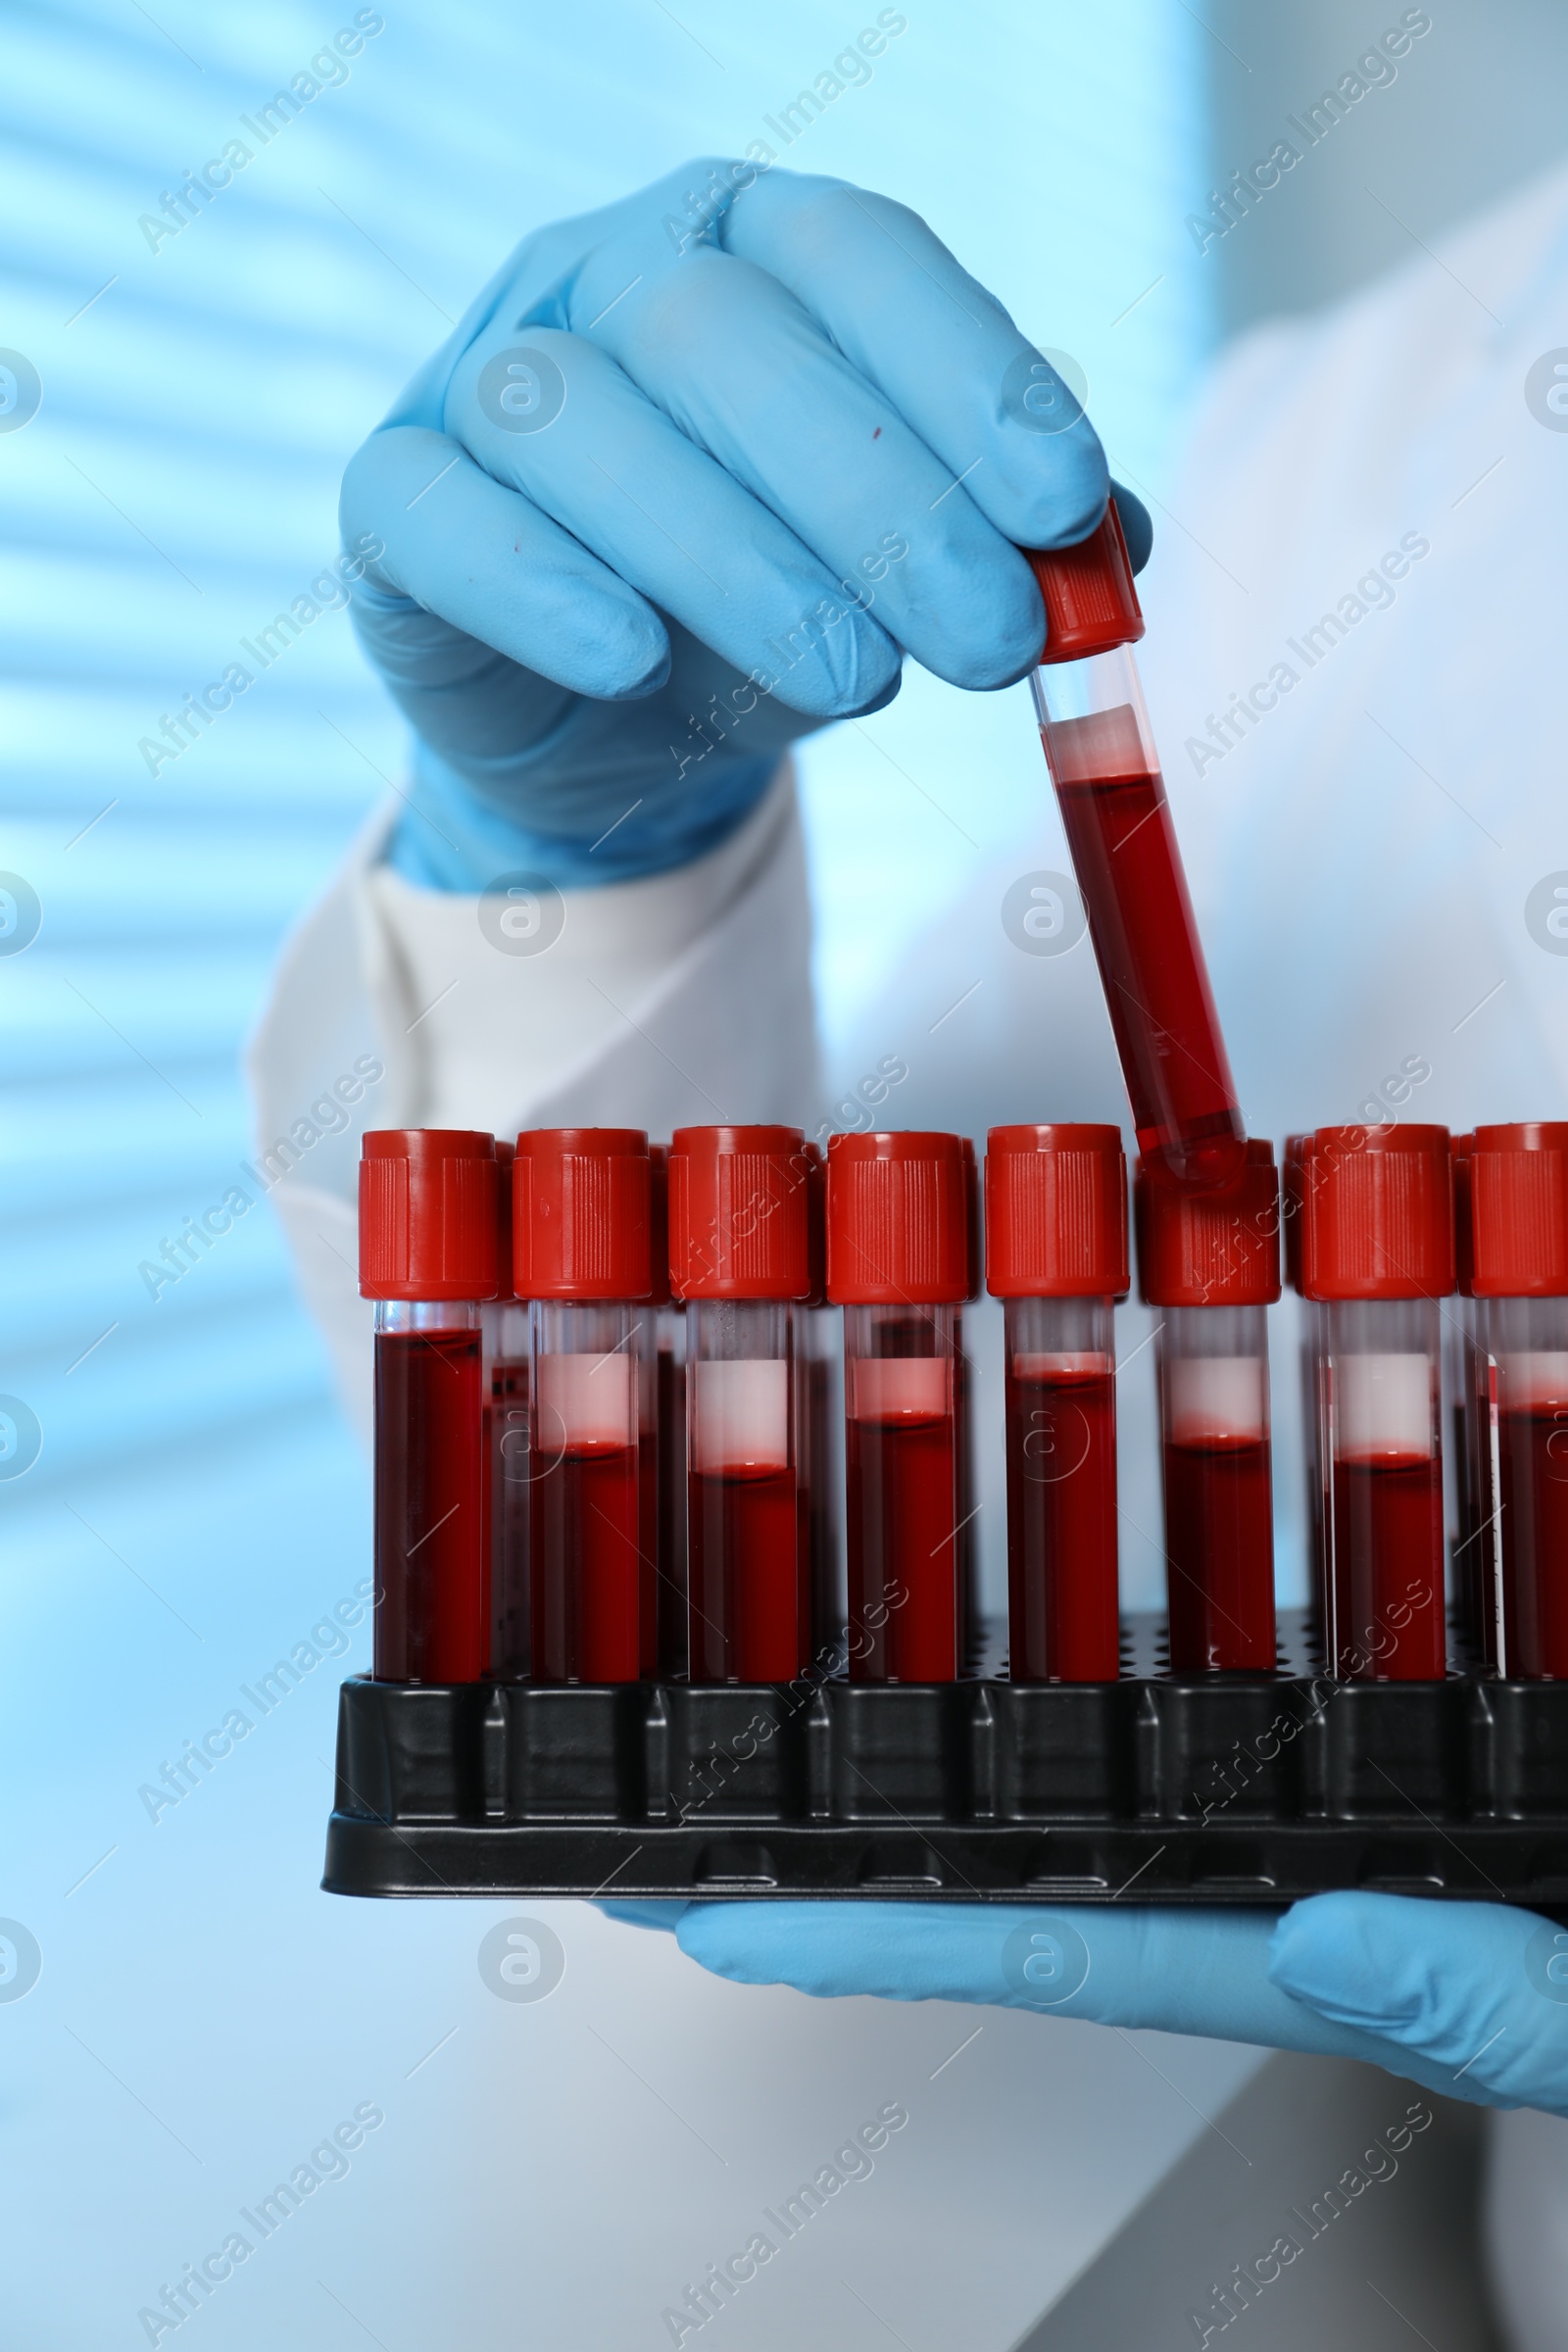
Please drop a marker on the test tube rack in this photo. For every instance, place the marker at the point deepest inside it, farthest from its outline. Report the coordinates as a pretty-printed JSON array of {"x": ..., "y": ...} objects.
[{"x": 1227, "y": 1788}]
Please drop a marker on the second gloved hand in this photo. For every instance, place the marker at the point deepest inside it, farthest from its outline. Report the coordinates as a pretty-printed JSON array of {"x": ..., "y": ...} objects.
[
  {"x": 1470, "y": 1999},
  {"x": 690, "y": 478}
]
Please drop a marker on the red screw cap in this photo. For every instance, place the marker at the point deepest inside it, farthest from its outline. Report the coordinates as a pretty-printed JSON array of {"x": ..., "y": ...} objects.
[
  {"x": 1377, "y": 1214},
  {"x": 427, "y": 1213},
  {"x": 816, "y": 1225},
  {"x": 1091, "y": 602},
  {"x": 659, "y": 1224},
  {"x": 1055, "y": 1212},
  {"x": 1219, "y": 1247},
  {"x": 505, "y": 1156},
  {"x": 1459, "y": 1151},
  {"x": 1295, "y": 1151},
  {"x": 898, "y": 1220},
  {"x": 739, "y": 1225},
  {"x": 580, "y": 1213},
  {"x": 1519, "y": 1210}
]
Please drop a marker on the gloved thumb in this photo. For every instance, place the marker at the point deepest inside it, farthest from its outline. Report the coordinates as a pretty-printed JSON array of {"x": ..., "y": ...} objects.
[{"x": 1477, "y": 1991}]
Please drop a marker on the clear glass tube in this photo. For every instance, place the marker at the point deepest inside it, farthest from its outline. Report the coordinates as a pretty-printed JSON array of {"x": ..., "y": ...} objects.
[
  {"x": 1060, "y": 1381},
  {"x": 1462, "y": 1471},
  {"x": 1380, "y": 1371},
  {"x": 902, "y": 1460},
  {"x": 1219, "y": 1504},
  {"x": 669, "y": 1549},
  {"x": 1523, "y": 1498},
  {"x": 589, "y": 1589},
  {"x": 431, "y": 1538},
  {"x": 506, "y": 1386},
  {"x": 1100, "y": 748},
  {"x": 750, "y": 1601},
  {"x": 1314, "y": 1449},
  {"x": 818, "y": 1378}
]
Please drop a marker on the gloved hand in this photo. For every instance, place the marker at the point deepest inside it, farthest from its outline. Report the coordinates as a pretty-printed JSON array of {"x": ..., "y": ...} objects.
[
  {"x": 1470, "y": 1999},
  {"x": 691, "y": 476}
]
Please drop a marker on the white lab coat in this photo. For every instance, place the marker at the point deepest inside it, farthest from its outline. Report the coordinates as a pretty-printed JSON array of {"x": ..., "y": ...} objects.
[{"x": 1361, "y": 852}]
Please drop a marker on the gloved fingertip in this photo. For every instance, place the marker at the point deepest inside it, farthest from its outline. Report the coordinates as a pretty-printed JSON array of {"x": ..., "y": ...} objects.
[
  {"x": 1064, "y": 500},
  {"x": 854, "y": 669},
  {"x": 620, "y": 651},
  {"x": 663, "y": 1915},
  {"x": 1329, "y": 1952},
  {"x": 750, "y": 1944}
]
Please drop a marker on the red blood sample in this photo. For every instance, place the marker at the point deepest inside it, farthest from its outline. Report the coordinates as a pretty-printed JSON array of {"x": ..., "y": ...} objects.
[
  {"x": 1532, "y": 1466},
  {"x": 506, "y": 1453},
  {"x": 822, "y": 1513},
  {"x": 1124, "y": 854},
  {"x": 904, "y": 1565},
  {"x": 648, "y": 1531},
  {"x": 1219, "y": 1539},
  {"x": 745, "y": 1544},
  {"x": 670, "y": 1534},
  {"x": 587, "y": 1566},
  {"x": 1061, "y": 1525},
  {"x": 431, "y": 1554},
  {"x": 1516, "y": 1260},
  {"x": 1387, "y": 1566}
]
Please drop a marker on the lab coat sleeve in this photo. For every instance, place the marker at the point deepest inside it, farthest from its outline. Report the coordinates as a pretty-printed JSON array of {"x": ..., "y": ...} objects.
[{"x": 681, "y": 999}]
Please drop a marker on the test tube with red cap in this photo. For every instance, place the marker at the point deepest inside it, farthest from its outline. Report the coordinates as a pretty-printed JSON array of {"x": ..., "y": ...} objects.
[
  {"x": 1103, "y": 763},
  {"x": 668, "y": 1367},
  {"x": 1308, "y": 1356},
  {"x": 505, "y": 1384},
  {"x": 1464, "y": 1389},
  {"x": 899, "y": 1263},
  {"x": 1519, "y": 1272},
  {"x": 1056, "y": 1255},
  {"x": 968, "y": 1372},
  {"x": 1377, "y": 1255},
  {"x": 427, "y": 1257},
  {"x": 580, "y": 1254},
  {"x": 1209, "y": 1261},
  {"x": 818, "y": 1354},
  {"x": 739, "y": 1255}
]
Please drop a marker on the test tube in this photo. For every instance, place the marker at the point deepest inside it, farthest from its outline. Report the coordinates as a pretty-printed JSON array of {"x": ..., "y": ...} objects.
[
  {"x": 1057, "y": 1256},
  {"x": 505, "y": 1384},
  {"x": 819, "y": 1350},
  {"x": 1519, "y": 1232},
  {"x": 1377, "y": 1255},
  {"x": 427, "y": 1257},
  {"x": 739, "y": 1257},
  {"x": 580, "y": 1254},
  {"x": 1468, "y": 1420},
  {"x": 1100, "y": 748},
  {"x": 968, "y": 1536},
  {"x": 668, "y": 1365},
  {"x": 899, "y": 1264},
  {"x": 1211, "y": 1262},
  {"x": 1309, "y": 1357}
]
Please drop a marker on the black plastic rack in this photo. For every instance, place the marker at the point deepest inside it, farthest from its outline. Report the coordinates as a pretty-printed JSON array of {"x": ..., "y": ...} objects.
[{"x": 1229, "y": 1788}]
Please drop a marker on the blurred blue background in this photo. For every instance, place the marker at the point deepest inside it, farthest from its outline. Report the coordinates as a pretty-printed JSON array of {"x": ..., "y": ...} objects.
[{"x": 198, "y": 1506}]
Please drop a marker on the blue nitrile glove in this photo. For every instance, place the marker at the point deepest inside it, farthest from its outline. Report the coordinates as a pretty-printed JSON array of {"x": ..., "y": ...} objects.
[
  {"x": 1470, "y": 1999},
  {"x": 691, "y": 476}
]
